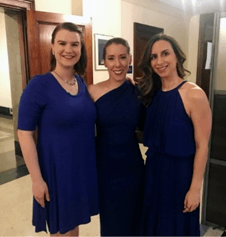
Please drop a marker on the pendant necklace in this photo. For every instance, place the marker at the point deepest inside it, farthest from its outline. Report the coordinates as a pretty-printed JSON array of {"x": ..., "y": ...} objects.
[{"x": 71, "y": 83}]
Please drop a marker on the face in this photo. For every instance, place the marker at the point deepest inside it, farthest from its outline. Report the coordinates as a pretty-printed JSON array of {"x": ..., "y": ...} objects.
[
  {"x": 67, "y": 48},
  {"x": 117, "y": 61},
  {"x": 163, "y": 59}
]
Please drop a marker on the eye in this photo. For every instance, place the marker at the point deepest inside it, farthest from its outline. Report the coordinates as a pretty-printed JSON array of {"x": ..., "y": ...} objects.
[
  {"x": 165, "y": 53},
  {"x": 61, "y": 43},
  {"x": 75, "y": 44},
  {"x": 152, "y": 57},
  {"x": 123, "y": 57},
  {"x": 110, "y": 58}
]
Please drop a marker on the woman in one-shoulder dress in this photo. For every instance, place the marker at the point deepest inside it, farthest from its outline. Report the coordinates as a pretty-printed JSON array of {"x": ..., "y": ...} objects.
[
  {"x": 176, "y": 132},
  {"x": 119, "y": 162},
  {"x": 63, "y": 166}
]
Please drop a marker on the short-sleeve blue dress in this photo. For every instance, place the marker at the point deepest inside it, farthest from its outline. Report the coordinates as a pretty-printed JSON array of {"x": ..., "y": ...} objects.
[
  {"x": 169, "y": 136},
  {"x": 119, "y": 162},
  {"x": 66, "y": 151}
]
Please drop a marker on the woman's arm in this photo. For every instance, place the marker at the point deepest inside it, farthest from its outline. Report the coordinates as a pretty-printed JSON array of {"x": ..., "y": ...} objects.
[
  {"x": 201, "y": 117},
  {"x": 39, "y": 187}
]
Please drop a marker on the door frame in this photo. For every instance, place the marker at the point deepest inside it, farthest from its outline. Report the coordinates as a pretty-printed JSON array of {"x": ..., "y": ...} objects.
[
  {"x": 18, "y": 4},
  {"x": 22, "y": 5},
  {"x": 25, "y": 6}
]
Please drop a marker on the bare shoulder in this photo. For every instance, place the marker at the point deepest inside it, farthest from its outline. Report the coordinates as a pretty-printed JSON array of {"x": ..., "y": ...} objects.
[
  {"x": 91, "y": 88},
  {"x": 95, "y": 87},
  {"x": 95, "y": 90},
  {"x": 193, "y": 92}
]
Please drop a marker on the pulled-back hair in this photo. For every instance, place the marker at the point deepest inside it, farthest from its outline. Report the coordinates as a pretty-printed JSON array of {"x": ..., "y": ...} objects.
[
  {"x": 80, "y": 66},
  {"x": 150, "y": 81},
  {"x": 116, "y": 40}
]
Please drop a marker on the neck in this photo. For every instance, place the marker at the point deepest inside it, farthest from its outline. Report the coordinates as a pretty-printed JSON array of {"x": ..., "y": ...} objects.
[
  {"x": 170, "y": 83},
  {"x": 65, "y": 73}
]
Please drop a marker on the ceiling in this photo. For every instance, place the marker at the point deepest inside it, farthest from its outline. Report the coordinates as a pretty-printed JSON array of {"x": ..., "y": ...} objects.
[{"x": 197, "y": 6}]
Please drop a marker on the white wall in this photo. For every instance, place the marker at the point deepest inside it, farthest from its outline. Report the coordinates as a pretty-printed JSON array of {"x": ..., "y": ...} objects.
[
  {"x": 107, "y": 21},
  {"x": 5, "y": 89},
  {"x": 77, "y": 7},
  {"x": 55, "y": 6},
  {"x": 192, "y": 56},
  {"x": 175, "y": 25}
]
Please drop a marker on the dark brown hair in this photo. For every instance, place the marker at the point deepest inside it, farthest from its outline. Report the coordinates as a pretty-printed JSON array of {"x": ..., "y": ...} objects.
[
  {"x": 116, "y": 40},
  {"x": 150, "y": 81},
  {"x": 80, "y": 66}
]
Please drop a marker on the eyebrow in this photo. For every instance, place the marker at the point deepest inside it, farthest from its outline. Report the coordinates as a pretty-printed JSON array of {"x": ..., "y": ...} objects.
[
  {"x": 69, "y": 42},
  {"x": 165, "y": 50},
  {"x": 112, "y": 55}
]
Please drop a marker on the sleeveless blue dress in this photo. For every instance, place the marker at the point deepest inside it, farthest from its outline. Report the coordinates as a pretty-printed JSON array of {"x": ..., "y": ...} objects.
[
  {"x": 169, "y": 136},
  {"x": 66, "y": 151},
  {"x": 119, "y": 162}
]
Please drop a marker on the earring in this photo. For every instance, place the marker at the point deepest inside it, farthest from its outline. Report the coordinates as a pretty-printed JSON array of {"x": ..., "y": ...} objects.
[{"x": 53, "y": 53}]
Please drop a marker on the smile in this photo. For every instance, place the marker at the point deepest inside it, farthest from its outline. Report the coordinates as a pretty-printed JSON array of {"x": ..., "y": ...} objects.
[
  {"x": 162, "y": 68},
  {"x": 118, "y": 72},
  {"x": 68, "y": 56}
]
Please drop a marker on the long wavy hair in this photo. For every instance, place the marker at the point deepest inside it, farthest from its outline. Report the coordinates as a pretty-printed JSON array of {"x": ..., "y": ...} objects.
[
  {"x": 80, "y": 66},
  {"x": 150, "y": 82}
]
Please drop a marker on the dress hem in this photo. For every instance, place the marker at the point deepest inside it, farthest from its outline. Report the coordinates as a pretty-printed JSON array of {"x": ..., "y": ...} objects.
[{"x": 63, "y": 232}]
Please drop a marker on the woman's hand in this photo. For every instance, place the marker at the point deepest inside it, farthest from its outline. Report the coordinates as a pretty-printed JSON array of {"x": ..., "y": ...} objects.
[
  {"x": 40, "y": 192},
  {"x": 192, "y": 200}
]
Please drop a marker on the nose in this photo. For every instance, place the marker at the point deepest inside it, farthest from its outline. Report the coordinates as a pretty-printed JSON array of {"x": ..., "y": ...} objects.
[
  {"x": 68, "y": 48},
  {"x": 159, "y": 60},
  {"x": 117, "y": 62}
]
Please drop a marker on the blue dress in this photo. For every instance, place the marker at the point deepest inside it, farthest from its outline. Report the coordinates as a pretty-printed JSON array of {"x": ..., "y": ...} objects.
[
  {"x": 119, "y": 161},
  {"x": 66, "y": 151},
  {"x": 169, "y": 136}
]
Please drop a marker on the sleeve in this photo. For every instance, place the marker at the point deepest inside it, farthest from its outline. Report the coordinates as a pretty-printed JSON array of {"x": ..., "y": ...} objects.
[{"x": 32, "y": 102}]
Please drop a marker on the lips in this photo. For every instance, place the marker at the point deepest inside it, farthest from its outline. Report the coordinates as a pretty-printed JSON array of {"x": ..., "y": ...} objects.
[
  {"x": 162, "y": 69},
  {"x": 118, "y": 72},
  {"x": 68, "y": 56}
]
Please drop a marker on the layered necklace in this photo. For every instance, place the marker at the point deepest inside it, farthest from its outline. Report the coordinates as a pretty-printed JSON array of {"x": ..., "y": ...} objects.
[{"x": 71, "y": 82}]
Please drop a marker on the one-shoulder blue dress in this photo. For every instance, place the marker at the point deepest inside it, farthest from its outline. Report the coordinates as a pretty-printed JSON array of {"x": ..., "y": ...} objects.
[
  {"x": 119, "y": 162},
  {"x": 66, "y": 151},
  {"x": 169, "y": 136}
]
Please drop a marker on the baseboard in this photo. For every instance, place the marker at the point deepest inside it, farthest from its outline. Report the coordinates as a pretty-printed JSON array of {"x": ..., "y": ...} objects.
[
  {"x": 13, "y": 174},
  {"x": 18, "y": 151},
  {"x": 5, "y": 111}
]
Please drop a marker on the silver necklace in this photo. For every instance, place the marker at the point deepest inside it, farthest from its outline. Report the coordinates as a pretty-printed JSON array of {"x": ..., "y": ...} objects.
[{"x": 71, "y": 83}]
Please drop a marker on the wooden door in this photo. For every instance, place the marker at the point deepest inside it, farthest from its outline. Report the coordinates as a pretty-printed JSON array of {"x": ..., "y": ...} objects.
[
  {"x": 142, "y": 34},
  {"x": 40, "y": 26}
]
